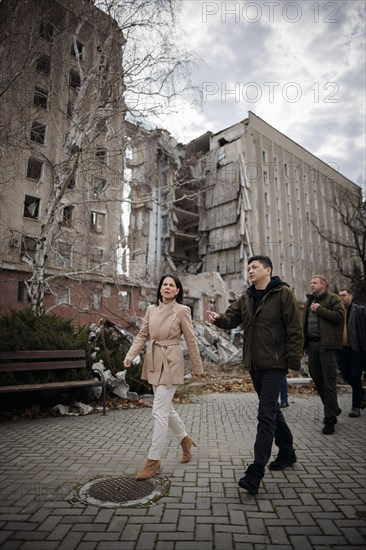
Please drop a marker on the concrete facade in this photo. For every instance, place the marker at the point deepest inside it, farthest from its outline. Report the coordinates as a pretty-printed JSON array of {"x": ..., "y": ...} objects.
[
  {"x": 62, "y": 151},
  {"x": 245, "y": 190}
]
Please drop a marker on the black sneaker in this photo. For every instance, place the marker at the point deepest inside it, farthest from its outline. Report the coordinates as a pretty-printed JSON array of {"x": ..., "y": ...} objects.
[
  {"x": 334, "y": 419},
  {"x": 250, "y": 481},
  {"x": 284, "y": 459},
  {"x": 328, "y": 428}
]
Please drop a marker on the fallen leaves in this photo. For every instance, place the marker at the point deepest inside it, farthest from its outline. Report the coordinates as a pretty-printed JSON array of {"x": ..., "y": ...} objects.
[{"x": 212, "y": 383}]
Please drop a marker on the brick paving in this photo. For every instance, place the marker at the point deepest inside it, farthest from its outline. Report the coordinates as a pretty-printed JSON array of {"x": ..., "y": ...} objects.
[{"x": 319, "y": 503}]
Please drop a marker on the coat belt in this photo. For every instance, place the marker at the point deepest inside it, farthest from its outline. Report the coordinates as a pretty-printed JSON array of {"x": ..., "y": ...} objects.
[{"x": 150, "y": 357}]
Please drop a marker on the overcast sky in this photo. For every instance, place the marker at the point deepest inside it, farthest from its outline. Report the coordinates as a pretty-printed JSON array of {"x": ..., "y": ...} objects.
[{"x": 298, "y": 65}]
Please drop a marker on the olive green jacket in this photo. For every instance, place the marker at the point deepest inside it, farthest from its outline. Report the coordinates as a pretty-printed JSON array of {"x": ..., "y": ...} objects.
[
  {"x": 272, "y": 337},
  {"x": 330, "y": 318}
]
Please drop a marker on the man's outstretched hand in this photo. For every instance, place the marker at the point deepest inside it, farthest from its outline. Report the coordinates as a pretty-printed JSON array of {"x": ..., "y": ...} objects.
[{"x": 212, "y": 316}]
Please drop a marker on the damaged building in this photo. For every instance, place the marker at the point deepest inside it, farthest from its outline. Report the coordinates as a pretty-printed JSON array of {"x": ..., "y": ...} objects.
[{"x": 202, "y": 209}]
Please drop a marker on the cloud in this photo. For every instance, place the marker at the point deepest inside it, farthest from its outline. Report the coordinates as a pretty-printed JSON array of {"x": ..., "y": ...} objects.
[{"x": 298, "y": 65}]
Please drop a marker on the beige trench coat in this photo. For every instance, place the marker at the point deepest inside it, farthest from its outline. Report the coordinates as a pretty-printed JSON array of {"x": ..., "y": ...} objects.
[{"x": 163, "y": 325}]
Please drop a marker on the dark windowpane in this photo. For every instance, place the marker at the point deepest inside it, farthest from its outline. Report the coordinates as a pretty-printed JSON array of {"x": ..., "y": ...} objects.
[
  {"x": 46, "y": 31},
  {"x": 43, "y": 64},
  {"x": 72, "y": 183},
  {"x": 69, "y": 108},
  {"x": 38, "y": 132},
  {"x": 23, "y": 295},
  {"x": 74, "y": 79},
  {"x": 67, "y": 215},
  {"x": 31, "y": 207},
  {"x": 99, "y": 188},
  {"x": 34, "y": 170},
  {"x": 102, "y": 126},
  {"x": 101, "y": 155},
  {"x": 40, "y": 97},
  {"x": 97, "y": 222},
  {"x": 28, "y": 247}
]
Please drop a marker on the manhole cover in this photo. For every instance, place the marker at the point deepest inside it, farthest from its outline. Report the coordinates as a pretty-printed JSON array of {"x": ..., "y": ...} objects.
[{"x": 120, "y": 492}]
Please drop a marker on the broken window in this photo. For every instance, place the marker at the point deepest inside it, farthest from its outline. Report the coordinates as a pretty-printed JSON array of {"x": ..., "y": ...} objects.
[
  {"x": 96, "y": 258},
  {"x": 23, "y": 295},
  {"x": 222, "y": 141},
  {"x": 101, "y": 155},
  {"x": 34, "y": 169},
  {"x": 38, "y": 132},
  {"x": 74, "y": 78},
  {"x": 63, "y": 295},
  {"x": 40, "y": 97},
  {"x": 101, "y": 126},
  {"x": 67, "y": 215},
  {"x": 31, "y": 207},
  {"x": 46, "y": 31},
  {"x": 79, "y": 49},
  {"x": 99, "y": 188},
  {"x": 69, "y": 108},
  {"x": 63, "y": 254},
  {"x": 96, "y": 300},
  {"x": 97, "y": 220},
  {"x": 72, "y": 183},
  {"x": 28, "y": 248},
  {"x": 43, "y": 64},
  {"x": 123, "y": 300}
]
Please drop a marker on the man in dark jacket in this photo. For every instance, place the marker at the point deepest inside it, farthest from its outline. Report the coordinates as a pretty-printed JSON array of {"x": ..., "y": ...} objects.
[
  {"x": 272, "y": 347},
  {"x": 323, "y": 329},
  {"x": 351, "y": 358}
]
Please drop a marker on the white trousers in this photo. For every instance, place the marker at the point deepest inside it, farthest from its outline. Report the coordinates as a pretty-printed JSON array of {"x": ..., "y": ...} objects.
[{"x": 165, "y": 416}]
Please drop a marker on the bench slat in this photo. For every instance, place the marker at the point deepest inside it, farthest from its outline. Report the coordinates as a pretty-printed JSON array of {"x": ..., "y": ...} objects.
[
  {"x": 51, "y": 386},
  {"x": 47, "y": 354},
  {"x": 42, "y": 360},
  {"x": 43, "y": 365}
]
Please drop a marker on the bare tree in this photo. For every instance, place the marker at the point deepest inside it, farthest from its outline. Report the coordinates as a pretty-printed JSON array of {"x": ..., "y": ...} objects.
[
  {"x": 348, "y": 247},
  {"x": 73, "y": 71}
]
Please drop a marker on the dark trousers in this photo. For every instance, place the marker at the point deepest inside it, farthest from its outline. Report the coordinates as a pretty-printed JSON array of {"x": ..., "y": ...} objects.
[
  {"x": 271, "y": 422},
  {"x": 323, "y": 370},
  {"x": 284, "y": 392},
  {"x": 351, "y": 366}
]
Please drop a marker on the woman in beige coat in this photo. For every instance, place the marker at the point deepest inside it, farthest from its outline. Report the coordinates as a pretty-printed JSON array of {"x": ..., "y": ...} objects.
[{"x": 163, "y": 325}]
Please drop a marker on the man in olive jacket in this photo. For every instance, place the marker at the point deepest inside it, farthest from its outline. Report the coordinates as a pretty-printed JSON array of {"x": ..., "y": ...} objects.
[
  {"x": 323, "y": 323},
  {"x": 272, "y": 348}
]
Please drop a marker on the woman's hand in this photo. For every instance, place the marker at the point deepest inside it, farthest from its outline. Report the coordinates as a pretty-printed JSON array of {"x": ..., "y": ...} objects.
[{"x": 127, "y": 363}]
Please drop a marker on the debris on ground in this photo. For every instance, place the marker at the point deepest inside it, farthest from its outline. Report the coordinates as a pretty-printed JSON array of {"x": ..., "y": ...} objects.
[{"x": 214, "y": 382}]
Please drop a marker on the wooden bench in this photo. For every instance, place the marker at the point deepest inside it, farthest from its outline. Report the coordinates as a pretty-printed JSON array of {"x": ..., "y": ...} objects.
[{"x": 47, "y": 360}]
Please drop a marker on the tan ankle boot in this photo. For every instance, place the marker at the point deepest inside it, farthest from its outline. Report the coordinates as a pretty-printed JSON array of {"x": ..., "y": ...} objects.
[
  {"x": 186, "y": 445},
  {"x": 151, "y": 468}
]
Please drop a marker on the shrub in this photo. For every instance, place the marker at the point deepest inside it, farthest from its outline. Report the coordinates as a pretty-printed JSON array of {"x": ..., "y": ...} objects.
[{"x": 26, "y": 330}]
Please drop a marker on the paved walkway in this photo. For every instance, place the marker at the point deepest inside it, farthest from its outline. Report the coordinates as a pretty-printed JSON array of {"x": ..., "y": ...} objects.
[{"x": 319, "y": 503}]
